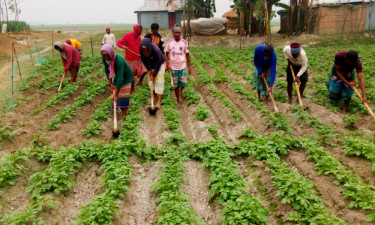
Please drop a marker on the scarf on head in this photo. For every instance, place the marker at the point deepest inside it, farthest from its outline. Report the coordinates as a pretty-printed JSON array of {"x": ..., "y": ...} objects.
[
  {"x": 68, "y": 41},
  {"x": 107, "y": 49},
  {"x": 61, "y": 46},
  {"x": 136, "y": 29},
  {"x": 295, "y": 48}
]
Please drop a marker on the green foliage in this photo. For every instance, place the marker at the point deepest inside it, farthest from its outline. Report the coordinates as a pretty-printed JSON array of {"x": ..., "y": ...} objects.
[
  {"x": 100, "y": 115},
  {"x": 351, "y": 121},
  {"x": 12, "y": 167},
  {"x": 201, "y": 113},
  {"x": 360, "y": 147},
  {"x": 6, "y": 133},
  {"x": 29, "y": 215},
  {"x": 16, "y": 26},
  {"x": 228, "y": 186}
]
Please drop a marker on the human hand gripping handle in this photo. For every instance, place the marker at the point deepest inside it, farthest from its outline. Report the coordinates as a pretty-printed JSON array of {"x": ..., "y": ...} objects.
[{"x": 270, "y": 93}]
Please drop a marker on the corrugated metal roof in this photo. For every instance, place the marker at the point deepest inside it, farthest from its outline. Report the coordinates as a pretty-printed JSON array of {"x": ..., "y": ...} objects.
[{"x": 160, "y": 5}]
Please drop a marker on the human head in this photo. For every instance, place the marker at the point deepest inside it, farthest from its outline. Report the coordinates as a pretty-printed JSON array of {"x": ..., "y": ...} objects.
[
  {"x": 108, "y": 30},
  {"x": 268, "y": 50},
  {"x": 107, "y": 52},
  {"x": 58, "y": 46},
  {"x": 351, "y": 57},
  {"x": 155, "y": 28},
  {"x": 176, "y": 33},
  {"x": 68, "y": 42},
  {"x": 295, "y": 49},
  {"x": 138, "y": 29},
  {"x": 145, "y": 47}
]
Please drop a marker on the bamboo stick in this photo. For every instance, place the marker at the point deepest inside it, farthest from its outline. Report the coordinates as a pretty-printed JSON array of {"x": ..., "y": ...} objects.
[
  {"x": 12, "y": 67},
  {"x": 53, "y": 50},
  {"x": 92, "y": 50},
  {"x": 18, "y": 64}
]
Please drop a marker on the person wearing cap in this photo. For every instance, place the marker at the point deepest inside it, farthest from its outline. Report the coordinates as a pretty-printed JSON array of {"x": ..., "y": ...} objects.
[
  {"x": 131, "y": 42},
  {"x": 120, "y": 77},
  {"x": 265, "y": 67},
  {"x": 109, "y": 38},
  {"x": 342, "y": 78},
  {"x": 154, "y": 61},
  {"x": 70, "y": 58},
  {"x": 155, "y": 36},
  {"x": 296, "y": 57},
  {"x": 76, "y": 44},
  {"x": 178, "y": 58}
]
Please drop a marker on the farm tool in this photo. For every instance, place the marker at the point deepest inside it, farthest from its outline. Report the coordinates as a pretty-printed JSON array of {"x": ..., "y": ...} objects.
[
  {"x": 152, "y": 110},
  {"x": 132, "y": 51},
  {"x": 367, "y": 106},
  {"x": 62, "y": 79},
  {"x": 115, "y": 132},
  {"x": 297, "y": 89},
  {"x": 273, "y": 101},
  {"x": 170, "y": 75}
]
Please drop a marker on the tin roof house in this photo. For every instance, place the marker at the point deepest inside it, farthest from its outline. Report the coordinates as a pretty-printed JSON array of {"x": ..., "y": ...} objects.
[{"x": 157, "y": 11}]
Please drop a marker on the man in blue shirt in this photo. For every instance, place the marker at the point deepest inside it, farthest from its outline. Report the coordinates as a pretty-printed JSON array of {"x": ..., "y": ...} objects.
[{"x": 265, "y": 62}]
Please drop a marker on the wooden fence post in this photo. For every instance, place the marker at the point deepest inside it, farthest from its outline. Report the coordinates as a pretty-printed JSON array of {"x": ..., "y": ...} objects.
[
  {"x": 92, "y": 50},
  {"x": 53, "y": 49},
  {"x": 18, "y": 64}
]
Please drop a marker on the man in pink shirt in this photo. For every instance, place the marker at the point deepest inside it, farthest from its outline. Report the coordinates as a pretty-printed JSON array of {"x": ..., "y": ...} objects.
[
  {"x": 131, "y": 42},
  {"x": 177, "y": 51}
]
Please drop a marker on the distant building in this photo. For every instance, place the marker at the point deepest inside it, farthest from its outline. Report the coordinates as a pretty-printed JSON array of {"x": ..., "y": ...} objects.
[{"x": 157, "y": 11}]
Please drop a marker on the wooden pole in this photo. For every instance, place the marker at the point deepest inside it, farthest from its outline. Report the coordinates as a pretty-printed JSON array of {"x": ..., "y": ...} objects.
[
  {"x": 92, "y": 49},
  {"x": 18, "y": 64},
  {"x": 12, "y": 66},
  {"x": 53, "y": 50}
]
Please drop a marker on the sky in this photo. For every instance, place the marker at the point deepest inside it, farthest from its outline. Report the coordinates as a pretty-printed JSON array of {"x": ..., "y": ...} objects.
[{"x": 90, "y": 11}]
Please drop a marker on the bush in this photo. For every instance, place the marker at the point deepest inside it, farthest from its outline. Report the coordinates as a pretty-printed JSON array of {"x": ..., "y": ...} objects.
[{"x": 16, "y": 26}]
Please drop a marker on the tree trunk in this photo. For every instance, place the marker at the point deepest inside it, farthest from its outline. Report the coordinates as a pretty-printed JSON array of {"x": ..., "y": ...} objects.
[{"x": 268, "y": 31}]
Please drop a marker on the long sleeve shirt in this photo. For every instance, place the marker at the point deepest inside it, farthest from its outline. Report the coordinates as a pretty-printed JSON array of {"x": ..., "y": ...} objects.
[
  {"x": 132, "y": 43},
  {"x": 155, "y": 60},
  {"x": 262, "y": 63},
  {"x": 301, "y": 60},
  {"x": 109, "y": 39},
  {"x": 123, "y": 72},
  {"x": 73, "y": 58}
]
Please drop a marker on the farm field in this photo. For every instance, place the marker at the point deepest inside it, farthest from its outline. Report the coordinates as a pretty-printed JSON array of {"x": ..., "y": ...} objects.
[{"x": 223, "y": 157}]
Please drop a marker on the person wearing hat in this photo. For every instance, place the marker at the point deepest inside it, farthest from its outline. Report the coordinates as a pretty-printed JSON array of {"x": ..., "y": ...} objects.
[
  {"x": 178, "y": 58},
  {"x": 155, "y": 36},
  {"x": 296, "y": 57},
  {"x": 76, "y": 44},
  {"x": 109, "y": 38},
  {"x": 342, "y": 79},
  {"x": 70, "y": 58},
  {"x": 265, "y": 67}
]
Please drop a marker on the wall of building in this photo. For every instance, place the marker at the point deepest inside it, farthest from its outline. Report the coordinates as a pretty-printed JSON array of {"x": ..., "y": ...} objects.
[
  {"x": 162, "y": 18},
  {"x": 338, "y": 20},
  {"x": 370, "y": 21}
]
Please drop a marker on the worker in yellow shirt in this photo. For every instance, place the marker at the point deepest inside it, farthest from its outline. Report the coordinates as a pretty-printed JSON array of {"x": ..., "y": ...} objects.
[{"x": 76, "y": 44}]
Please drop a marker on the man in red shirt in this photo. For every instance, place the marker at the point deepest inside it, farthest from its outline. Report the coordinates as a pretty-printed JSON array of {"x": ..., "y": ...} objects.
[
  {"x": 342, "y": 78},
  {"x": 131, "y": 42},
  {"x": 71, "y": 59}
]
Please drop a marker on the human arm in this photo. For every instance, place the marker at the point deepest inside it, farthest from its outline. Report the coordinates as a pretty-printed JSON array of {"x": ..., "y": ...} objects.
[
  {"x": 258, "y": 53},
  {"x": 341, "y": 75},
  {"x": 106, "y": 71},
  {"x": 122, "y": 42},
  {"x": 362, "y": 86},
  {"x": 167, "y": 60},
  {"x": 103, "y": 41},
  {"x": 114, "y": 41},
  {"x": 188, "y": 60},
  {"x": 69, "y": 59},
  {"x": 304, "y": 64},
  {"x": 273, "y": 68}
]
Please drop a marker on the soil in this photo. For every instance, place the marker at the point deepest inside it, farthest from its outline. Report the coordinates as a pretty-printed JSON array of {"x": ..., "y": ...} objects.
[
  {"x": 196, "y": 186},
  {"x": 139, "y": 205},
  {"x": 329, "y": 192},
  {"x": 85, "y": 189}
]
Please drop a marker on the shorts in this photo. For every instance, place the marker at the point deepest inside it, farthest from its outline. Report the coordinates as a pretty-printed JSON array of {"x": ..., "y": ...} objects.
[{"x": 179, "y": 78}]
